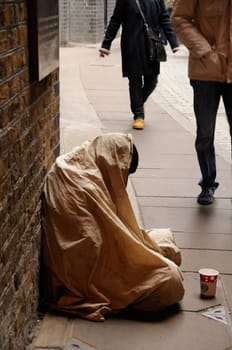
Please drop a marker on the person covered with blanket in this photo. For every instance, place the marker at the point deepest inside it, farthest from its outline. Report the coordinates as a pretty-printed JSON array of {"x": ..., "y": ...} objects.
[{"x": 97, "y": 260}]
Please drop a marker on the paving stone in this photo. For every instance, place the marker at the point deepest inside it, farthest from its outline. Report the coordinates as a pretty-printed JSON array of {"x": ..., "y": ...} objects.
[
  {"x": 166, "y": 161},
  {"x": 116, "y": 118},
  {"x": 182, "y": 331},
  {"x": 193, "y": 260},
  {"x": 53, "y": 333},
  {"x": 192, "y": 300},
  {"x": 227, "y": 285},
  {"x": 183, "y": 202},
  {"x": 188, "y": 219},
  {"x": 201, "y": 241},
  {"x": 158, "y": 187},
  {"x": 174, "y": 187},
  {"x": 171, "y": 173}
]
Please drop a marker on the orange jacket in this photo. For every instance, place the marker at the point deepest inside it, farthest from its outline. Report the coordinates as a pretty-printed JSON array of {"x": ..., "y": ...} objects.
[{"x": 205, "y": 28}]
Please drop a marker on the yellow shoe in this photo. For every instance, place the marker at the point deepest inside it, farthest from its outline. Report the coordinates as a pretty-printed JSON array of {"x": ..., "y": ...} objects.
[{"x": 138, "y": 124}]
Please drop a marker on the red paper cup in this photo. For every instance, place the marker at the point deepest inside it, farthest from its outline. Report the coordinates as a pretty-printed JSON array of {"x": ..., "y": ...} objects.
[{"x": 208, "y": 282}]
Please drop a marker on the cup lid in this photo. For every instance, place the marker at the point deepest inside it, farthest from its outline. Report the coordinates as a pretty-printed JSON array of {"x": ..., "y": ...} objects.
[{"x": 208, "y": 272}]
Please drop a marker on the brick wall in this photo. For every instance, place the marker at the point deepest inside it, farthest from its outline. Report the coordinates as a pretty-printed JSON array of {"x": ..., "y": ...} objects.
[
  {"x": 29, "y": 143},
  {"x": 86, "y": 19},
  {"x": 82, "y": 21},
  {"x": 64, "y": 13}
]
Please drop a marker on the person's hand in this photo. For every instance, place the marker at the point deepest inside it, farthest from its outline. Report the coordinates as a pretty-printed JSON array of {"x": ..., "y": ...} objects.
[
  {"x": 208, "y": 54},
  {"x": 215, "y": 59},
  {"x": 103, "y": 52}
]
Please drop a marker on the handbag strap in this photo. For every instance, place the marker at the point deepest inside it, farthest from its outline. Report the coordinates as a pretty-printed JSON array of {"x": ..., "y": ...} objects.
[
  {"x": 144, "y": 19},
  {"x": 141, "y": 13}
]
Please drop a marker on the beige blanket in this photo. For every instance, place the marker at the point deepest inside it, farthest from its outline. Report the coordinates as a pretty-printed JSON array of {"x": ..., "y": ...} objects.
[{"x": 96, "y": 258}]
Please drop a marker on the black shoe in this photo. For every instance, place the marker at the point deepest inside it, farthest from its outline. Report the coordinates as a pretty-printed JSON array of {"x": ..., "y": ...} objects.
[{"x": 206, "y": 195}]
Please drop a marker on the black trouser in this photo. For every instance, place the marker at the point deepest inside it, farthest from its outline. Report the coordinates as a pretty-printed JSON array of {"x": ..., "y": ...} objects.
[
  {"x": 207, "y": 96},
  {"x": 140, "y": 87}
]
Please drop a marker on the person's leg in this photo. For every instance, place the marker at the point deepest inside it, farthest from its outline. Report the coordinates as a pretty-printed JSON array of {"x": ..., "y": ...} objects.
[
  {"x": 226, "y": 95},
  {"x": 149, "y": 84},
  {"x": 136, "y": 96},
  {"x": 206, "y": 101}
]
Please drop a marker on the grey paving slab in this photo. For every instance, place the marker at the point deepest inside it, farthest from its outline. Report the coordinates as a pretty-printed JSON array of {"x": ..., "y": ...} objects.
[
  {"x": 115, "y": 126},
  {"x": 178, "y": 173},
  {"x": 181, "y": 202},
  {"x": 107, "y": 93},
  {"x": 104, "y": 104},
  {"x": 199, "y": 240},
  {"x": 160, "y": 143},
  {"x": 122, "y": 119},
  {"x": 151, "y": 123},
  {"x": 192, "y": 300},
  {"x": 166, "y": 161},
  {"x": 173, "y": 187},
  {"x": 227, "y": 285},
  {"x": 195, "y": 259},
  {"x": 95, "y": 78},
  {"x": 156, "y": 156},
  {"x": 71, "y": 137},
  {"x": 165, "y": 187},
  {"x": 182, "y": 331},
  {"x": 189, "y": 219}
]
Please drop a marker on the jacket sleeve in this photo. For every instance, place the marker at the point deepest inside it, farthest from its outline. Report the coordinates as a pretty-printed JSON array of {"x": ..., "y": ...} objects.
[
  {"x": 182, "y": 20},
  {"x": 113, "y": 25},
  {"x": 165, "y": 24}
]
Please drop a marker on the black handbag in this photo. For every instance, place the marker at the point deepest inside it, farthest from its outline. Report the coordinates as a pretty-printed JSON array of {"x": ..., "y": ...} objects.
[{"x": 154, "y": 44}]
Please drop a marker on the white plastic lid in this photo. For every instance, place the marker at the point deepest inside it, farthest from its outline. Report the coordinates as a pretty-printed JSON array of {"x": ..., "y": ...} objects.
[{"x": 208, "y": 272}]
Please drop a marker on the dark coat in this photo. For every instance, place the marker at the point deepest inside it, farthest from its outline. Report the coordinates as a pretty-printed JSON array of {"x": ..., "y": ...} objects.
[{"x": 135, "y": 59}]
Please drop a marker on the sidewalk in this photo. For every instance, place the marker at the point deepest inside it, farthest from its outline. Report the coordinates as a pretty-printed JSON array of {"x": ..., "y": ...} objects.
[{"x": 94, "y": 100}]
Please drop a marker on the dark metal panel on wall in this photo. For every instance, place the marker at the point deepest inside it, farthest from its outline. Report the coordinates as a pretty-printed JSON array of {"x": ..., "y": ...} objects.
[{"x": 43, "y": 35}]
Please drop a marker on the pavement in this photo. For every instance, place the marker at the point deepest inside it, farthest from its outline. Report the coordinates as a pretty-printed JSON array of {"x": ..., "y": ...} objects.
[{"x": 95, "y": 100}]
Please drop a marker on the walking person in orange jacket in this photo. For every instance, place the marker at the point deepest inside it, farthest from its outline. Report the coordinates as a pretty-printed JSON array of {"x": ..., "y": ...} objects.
[{"x": 205, "y": 28}]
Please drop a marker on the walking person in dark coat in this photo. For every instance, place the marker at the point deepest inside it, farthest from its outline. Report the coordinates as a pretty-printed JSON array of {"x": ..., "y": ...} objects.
[{"x": 141, "y": 72}]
